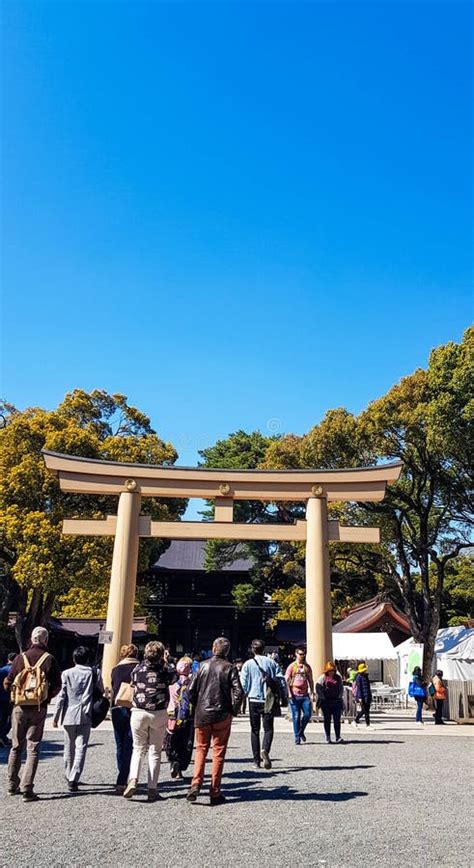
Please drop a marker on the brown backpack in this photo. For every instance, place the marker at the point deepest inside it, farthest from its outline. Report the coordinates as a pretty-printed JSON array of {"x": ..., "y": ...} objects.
[{"x": 31, "y": 687}]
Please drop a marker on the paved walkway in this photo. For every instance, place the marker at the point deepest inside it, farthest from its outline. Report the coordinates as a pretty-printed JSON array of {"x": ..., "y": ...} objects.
[
  {"x": 384, "y": 798},
  {"x": 394, "y": 721}
]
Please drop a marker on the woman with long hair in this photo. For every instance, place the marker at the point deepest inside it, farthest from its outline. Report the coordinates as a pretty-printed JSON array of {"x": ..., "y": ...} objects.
[
  {"x": 417, "y": 690},
  {"x": 121, "y": 715}
]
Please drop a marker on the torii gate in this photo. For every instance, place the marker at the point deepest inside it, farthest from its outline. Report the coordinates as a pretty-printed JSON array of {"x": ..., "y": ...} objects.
[{"x": 131, "y": 482}]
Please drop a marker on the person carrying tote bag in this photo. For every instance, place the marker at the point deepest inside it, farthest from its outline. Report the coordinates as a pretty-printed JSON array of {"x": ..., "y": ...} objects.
[
  {"x": 417, "y": 690},
  {"x": 122, "y": 699}
]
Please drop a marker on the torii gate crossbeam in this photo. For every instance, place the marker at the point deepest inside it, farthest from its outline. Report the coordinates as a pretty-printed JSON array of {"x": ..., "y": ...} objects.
[{"x": 131, "y": 482}]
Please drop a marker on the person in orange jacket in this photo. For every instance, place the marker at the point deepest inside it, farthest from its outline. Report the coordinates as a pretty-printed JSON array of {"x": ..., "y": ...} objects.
[{"x": 439, "y": 696}]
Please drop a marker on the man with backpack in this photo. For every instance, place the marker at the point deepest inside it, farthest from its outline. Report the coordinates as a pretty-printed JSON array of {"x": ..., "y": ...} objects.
[
  {"x": 299, "y": 678},
  {"x": 33, "y": 680},
  {"x": 257, "y": 674}
]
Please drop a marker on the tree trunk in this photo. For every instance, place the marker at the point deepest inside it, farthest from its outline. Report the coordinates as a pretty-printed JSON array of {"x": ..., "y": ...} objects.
[
  {"x": 36, "y": 614},
  {"x": 428, "y": 651},
  {"x": 8, "y": 599}
]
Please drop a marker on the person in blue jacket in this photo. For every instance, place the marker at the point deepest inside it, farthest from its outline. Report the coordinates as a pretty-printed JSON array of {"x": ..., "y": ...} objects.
[
  {"x": 254, "y": 686},
  {"x": 5, "y": 703},
  {"x": 417, "y": 690}
]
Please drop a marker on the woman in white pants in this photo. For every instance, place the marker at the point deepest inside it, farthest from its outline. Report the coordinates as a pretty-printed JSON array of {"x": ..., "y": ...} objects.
[{"x": 151, "y": 680}]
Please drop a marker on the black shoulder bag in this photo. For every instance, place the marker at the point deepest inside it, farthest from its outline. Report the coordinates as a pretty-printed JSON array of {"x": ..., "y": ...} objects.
[
  {"x": 273, "y": 695},
  {"x": 100, "y": 703}
]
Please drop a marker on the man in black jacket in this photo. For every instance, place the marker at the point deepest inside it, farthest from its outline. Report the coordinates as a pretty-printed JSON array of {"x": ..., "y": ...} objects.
[{"x": 216, "y": 694}]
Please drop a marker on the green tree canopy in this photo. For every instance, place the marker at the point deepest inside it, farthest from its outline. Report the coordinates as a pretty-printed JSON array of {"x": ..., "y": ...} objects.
[
  {"x": 241, "y": 451},
  {"x": 426, "y": 519}
]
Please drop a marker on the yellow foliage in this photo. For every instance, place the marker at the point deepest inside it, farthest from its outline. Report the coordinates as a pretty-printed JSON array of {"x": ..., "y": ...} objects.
[
  {"x": 83, "y": 603},
  {"x": 34, "y": 551},
  {"x": 291, "y": 602}
]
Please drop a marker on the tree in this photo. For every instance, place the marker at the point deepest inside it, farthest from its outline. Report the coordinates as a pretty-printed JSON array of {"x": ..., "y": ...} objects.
[
  {"x": 44, "y": 571},
  {"x": 426, "y": 518},
  {"x": 427, "y": 421},
  {"x": 458, "y": 596},
  {"x": 239, "y": 450},
  {"x": 291, "y": 603}
]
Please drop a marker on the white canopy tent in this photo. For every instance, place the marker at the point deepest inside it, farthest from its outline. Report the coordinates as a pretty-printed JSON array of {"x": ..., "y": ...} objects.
[
  {"x": 375, "y": 649},
  {"x": 454, "y": 651},
  {"x": 362, "y": 646},
  {"x": 410, "y": 654}
]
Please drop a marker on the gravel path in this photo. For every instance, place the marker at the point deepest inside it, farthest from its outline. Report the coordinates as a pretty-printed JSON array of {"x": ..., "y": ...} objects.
[{"x": 379, "y": 800}]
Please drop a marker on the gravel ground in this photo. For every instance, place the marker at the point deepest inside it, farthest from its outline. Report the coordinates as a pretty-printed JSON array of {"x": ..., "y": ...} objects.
[{"x": 380, "y": 799}]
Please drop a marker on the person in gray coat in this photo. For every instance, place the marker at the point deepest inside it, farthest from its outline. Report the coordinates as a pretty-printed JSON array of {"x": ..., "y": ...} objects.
[{"x": 74, "y": 711}]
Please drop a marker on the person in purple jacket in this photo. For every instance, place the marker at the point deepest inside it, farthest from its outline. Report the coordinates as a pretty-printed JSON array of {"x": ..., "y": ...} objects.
[{"x": 363, "y": 693}]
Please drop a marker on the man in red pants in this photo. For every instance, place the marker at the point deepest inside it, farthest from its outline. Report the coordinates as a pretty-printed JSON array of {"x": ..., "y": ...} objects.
[{"x": 216, "y": 694}]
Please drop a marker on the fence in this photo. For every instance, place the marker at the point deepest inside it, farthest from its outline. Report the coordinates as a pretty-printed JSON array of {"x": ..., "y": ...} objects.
[{"x": 460, "y": 702}]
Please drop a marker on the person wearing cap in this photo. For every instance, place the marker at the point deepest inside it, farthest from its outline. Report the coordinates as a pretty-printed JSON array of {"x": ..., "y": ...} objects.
[
  {"x": 440, "y": 695},
  {"x": 363, "y": 694},
  {"x": 351, "y": 676},
  {"x": 28, "y": 720},
  {"x": 330, "y": 689}
]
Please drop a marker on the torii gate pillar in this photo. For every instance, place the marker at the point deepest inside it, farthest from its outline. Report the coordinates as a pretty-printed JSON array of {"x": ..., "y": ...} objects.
[
  {"x": 123, "y": 580},
  {"x": 318, "y": 585}
]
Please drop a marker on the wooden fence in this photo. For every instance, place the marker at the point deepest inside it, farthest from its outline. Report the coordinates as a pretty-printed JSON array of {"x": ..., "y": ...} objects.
[{"x": 460, "y": 702}]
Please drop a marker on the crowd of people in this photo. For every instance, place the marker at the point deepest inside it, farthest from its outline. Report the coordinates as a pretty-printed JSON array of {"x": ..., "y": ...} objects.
[{"x": 158, "y": 703}]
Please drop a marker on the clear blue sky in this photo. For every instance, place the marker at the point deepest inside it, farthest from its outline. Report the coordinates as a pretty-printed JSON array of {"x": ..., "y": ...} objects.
[{"x": 239, "y": 215}]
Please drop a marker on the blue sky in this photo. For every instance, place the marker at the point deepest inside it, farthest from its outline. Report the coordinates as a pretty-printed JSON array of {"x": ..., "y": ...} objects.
[{"x": 239, "y": 215}]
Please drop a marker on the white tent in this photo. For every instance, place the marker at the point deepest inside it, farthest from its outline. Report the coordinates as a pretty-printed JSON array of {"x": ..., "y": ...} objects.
[
  {"x": 410, "y": 654},
  {"x": 362, "y": 646},
  {"x": 454, "y": 651},
  {"x": 375, "y": 648}
]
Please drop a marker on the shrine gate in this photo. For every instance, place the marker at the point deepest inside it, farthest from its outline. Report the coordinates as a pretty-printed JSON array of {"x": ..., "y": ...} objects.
[{"x": 132, "y": 482}]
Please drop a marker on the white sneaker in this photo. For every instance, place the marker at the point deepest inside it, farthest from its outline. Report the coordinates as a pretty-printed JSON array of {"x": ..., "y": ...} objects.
[
  {"x": 353, "y": 723},
  {"x": 419, "y": 723}
]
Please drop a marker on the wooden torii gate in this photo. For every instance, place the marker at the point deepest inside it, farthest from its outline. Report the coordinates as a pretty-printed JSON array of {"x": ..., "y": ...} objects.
[{"x": 131, "y": 482}]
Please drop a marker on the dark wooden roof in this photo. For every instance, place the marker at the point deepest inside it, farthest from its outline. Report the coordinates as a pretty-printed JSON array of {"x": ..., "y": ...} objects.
[
  {"x": 188, "y": 555},
  {"x": 368, "y": 616}
]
